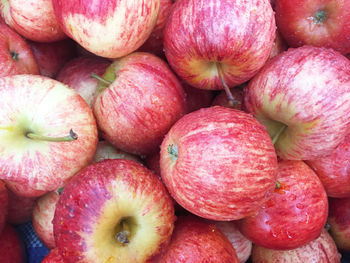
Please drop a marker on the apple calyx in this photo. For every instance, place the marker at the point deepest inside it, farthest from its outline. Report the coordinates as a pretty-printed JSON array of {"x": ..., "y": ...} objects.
[
  {"x": 173, "y": 151},
  {"x": 104, "y": 81},
  {"x": 230, "y": 97},
  {"x": 278, "y": 134},
  {"x": 278, "y": 185},
  {"x": 320, "y": 16},
  {"x": 14, "y": 55},
  {"x": 71, "y": 137},
  {"x": 124, "y": 231}
]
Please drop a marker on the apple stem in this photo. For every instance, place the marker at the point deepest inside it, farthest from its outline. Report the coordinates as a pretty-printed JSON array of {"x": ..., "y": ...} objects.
[
  {"x": 14, "y": 55},
  {"x": 278, "y": 185},
  {"x": 230, "y": 97},
  {"x": 104, "y": 81},
  {"x": 123, "y": 235},
  {"x": 71, "y": 137},
  {"x": 278, "y": 134}
]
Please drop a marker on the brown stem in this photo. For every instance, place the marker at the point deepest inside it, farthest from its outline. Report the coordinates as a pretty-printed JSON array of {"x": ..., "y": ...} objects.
[{"x": 226, "y": 87}]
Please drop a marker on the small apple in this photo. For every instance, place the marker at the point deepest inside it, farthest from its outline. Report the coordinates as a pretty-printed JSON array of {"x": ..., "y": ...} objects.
[
  {"x": 4, "y": 199},
  {"x": 11, "y": 246},
  {"x": 53, "y": 256}
]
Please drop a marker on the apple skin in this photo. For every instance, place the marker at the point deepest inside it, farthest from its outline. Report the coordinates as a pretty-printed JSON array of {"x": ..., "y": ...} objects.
[
  {"x": 196, "y": 240},
  {"x": 53, "y": 256},
  {"x": 297, "y": 22},
  {"x": 321, "y": 249},
  {"x": 43, "y": 213},
  {"x": 33, "y": 19},
  {"x": 279, "y": 45},
  {"x": 107, "y": 28},
  {"x": 46, "y": 107},
  {"x": 339, "y": 221},
  {"x": 221, "y": 98},
  {"x": 77, "y": 75},
  {"x": 4, "y": 199},
  {"x": 23, "y": 190},
  {"x": 52, "y": 56},
  {"x": 197, "y": 98},
  {"x": 305, "y": 89},
  {"x": 218, "y": 163},
  {"x": 107, "y": 151},
  {"x": 11, "y": 246},
  {"x": 20, "y": 209},
  {"x": 93, "y": 204},
  {"x": 144, "y": 100},
  {"x": 201, "y": 35},
  {"x": 294, "y": 214},
  {"x": 25, "y": 63}
]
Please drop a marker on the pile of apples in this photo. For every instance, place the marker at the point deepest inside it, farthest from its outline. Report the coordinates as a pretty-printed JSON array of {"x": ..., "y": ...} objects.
[{"x": 176, "y": 131}]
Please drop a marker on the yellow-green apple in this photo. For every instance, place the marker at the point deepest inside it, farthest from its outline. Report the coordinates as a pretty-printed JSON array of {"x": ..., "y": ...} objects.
[
  {"x": 16, "y": 57},
  {"x": 33, "y": 19},
  {"x": 77, "y": 75},
  {"x": 334, "y": 170},
  {"x": 321, "y": 249},
  {"x": 53, "y": 256},
  {"x": 113, "y": 211},
  {"x": 52, "y": 56},
  {"x": 315, "y": 22},
  {"x": 209, "y": 43},
  {"x": 218, "y": 163},
  {"x": 142, "y": 100},
  {"x": 11, "y": 246},
  {"x": 47, "y": 132},
  {"x": 339, "y": 221},
  {"x": 108, "y": 28},
  {"x": 105, "y": 150},
  {"x": 197, "y": 98},
  {"x": 4, "y": 200},
  {"x": 302, "y": 96},
  {"x": 43, "y": 213},
  {"x": 20, "y": 208},
  {"x": 295, "y": 212},
  {"x": 196, "y": 240}
]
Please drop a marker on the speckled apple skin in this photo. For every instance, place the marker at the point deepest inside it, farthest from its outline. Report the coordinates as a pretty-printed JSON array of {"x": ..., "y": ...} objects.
[
  {"x": 3, "y": 205},
  {"x": 294, "y": 214},
  {"x": 139, "y": 107},
  {"x": 53, "y": 256},
  {"x": 94, "y": 201},
  {"x": 112, "y": 28},
  {"x": 321, "y": 249},
  {"x": 11, "y": 41},
  {"x": 226, "y": 163},
  {"x": 308, "y": 90},
  {"x": 334, "y": 170},
  {"x": 236, "y": 34}
]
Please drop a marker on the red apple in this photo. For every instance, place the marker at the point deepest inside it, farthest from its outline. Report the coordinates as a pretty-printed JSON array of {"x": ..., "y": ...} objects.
[
  {"x": 16, "y": 56},
  {"x": 152, "y": 162},
  {"x": 279, "y": 45},
  {"x": 302, "y": 96},
  {"x": 211, "y": 42},
  {"x": 339, "y": 221},
  {"x": 52, "y": 56},
  {"x": 33, "y": 19},
  {"x": 197, "y": 98},
  {"x": 20, "y": 209},
  {"x": 53, "y": 256},
  {"x": 113, "y": 211},
  {"x": 222, "y": 99},
  {"x": 294, "y": 214},
  {"x": 43, "y": 213},
  {"x": 108, "y": 28},
  {"x": 195, "y": 240},
  {"x": 47, "y": 132},
  {"x": 315, "y": 22},
  {"x": 322, "y": 249},
  {"x": 218, "y": 163},
  {"x": 3, "y": 205},
  {"x": 11, "y": 246},
  {"x": 77, "y": 75},
  {"x": 140, "y": 105},
  {"x": 106, "y": 151},
  {"x": 334, "y": 170}
]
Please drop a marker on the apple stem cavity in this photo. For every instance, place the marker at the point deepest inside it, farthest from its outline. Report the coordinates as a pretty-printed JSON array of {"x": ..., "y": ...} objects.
[
  {"x": 104, "y": 81},
  {"x": 123, "y": 235},
  {"x": 230, "y": 97},
  {"x": 278, "y": 134},
  {"x": 173, "y": 151},
  {"x": 320, "y": 17},
  {"x": 14, "y": 55},
  {"x": 71, "y": 137}
]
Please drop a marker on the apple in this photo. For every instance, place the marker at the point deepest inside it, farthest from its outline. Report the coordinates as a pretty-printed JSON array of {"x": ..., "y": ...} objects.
[
  {"x": 47, "y": 132},
  {"x": 218, "y": 163},
  {"x": 302, "y": 96},
  {"x": 108, "y": 28},
  {"x": 77, "y": 75},
  {"x": 43, "y": 213},
  {"x": 213, "y": 44},
  {"x": 52, "y": 56},
  {"x": 315, "y": 22},
  {"x": 334, "y": 170},
  {"x": 3, "y": 205},
  {"x": 11, "y": 246},
  {"x": 16, "y": 56},
  {"x": 221, "y": 99},
  {"x": 139, "y": 103},
  {"x": 195, "y": 240},
  {"x": 33, "y": 19},
  {"x": 339, "y": 221},
  {"x": 279, "y": 45},
  {"x": 153, "y": 163},
  {"x": 321, "y": 249},
  {"x": 113, "y": 211},
  {"x": 295, "y": 212},
  {"x": 106, "y": 151},
  {"x": 53, "y": 256},
  {"x": 197, "y": 98}
]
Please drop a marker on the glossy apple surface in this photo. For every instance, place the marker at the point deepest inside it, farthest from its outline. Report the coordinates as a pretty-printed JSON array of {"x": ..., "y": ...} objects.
[
  {"x": 16, "y": 57},
  {"x": 294, "y": 214},
  {"x": 203, "y": 38},
  {"x": 218, "y": 163},
  {"x": 11, "y": 247},
  {"x": 3, "y": 205},
  {"x": 53, "y": 256},
  {"x": 108, "y": 28},
  {"x": 143, "y": 101},
  {"x": 303, "y": 98},
  {"x": 35, "y": 106},
  {"x": 114, "y": 210}
]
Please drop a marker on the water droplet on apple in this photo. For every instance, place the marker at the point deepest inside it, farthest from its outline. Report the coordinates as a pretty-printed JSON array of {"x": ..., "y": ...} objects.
[
  {"x": 273, "y": 233},
  {"x": 289, "y": 235}
]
